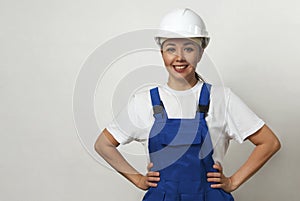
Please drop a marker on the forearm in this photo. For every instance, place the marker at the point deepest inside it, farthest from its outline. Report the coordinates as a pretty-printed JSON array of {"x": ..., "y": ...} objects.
[
  {"x": 263, "y": 151},
  {"x": 257, "y": 159},
  {"x": 113, "y": 157}
]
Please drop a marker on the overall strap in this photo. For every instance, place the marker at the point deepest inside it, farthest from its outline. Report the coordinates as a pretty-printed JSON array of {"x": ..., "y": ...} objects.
[
  {"x": 157, "y": 104},
  {"x": 204, "y": 98},
  {"x": 206, "y": 151}
]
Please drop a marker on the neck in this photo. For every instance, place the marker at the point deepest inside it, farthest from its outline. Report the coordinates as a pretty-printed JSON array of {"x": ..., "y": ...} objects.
[{"x": 181, "y": 85}]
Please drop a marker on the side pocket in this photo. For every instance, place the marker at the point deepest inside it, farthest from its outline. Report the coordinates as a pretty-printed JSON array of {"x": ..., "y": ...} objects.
[{"x": 154, "y": 195}]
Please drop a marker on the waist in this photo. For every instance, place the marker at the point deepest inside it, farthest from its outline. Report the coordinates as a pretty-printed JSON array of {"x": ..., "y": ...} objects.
[{"x": 183, "y": 187}]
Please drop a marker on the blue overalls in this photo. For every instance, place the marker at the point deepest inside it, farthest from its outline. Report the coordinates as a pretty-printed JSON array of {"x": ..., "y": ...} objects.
[{"x": 181, "y": 150}]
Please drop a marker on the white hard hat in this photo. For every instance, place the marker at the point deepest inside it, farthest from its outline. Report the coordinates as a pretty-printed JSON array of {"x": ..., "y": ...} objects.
[{"x": 182, "y": 23}]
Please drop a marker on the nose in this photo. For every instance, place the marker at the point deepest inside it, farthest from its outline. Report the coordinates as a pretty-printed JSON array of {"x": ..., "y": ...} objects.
[{"x": 180, "y": 56}]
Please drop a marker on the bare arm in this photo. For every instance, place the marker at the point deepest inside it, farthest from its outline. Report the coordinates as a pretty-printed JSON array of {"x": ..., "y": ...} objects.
[
  {"x": 266, "y": 145},
  {"x": 106, "y": 145}
]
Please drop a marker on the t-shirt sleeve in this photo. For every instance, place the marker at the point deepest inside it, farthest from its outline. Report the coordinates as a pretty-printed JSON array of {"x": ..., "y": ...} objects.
[
  {"x": 127, "y": 125},
  {"x": 241, "y": 121}
]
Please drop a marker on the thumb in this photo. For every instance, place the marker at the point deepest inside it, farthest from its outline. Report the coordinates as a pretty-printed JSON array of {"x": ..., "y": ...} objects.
[
  {"x": 150, "y": 165},
  {"x": 218, "y": 167}
]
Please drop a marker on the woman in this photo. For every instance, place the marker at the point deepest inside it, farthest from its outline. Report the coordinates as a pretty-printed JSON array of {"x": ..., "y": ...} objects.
[{"x": 187, "y": 124}]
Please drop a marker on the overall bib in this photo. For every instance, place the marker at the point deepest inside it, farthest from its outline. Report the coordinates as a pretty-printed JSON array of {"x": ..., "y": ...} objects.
[{"x": 181, "y": 150}]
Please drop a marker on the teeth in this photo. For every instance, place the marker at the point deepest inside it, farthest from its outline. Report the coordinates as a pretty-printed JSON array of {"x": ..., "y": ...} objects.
[{"x": 180, "y": 67}]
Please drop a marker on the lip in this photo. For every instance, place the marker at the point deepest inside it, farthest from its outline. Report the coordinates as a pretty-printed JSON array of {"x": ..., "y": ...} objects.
[{"x": 180, "y": 68}]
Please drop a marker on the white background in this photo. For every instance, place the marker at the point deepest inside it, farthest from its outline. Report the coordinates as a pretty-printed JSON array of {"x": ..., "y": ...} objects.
[{"x": 43, "y": 45}]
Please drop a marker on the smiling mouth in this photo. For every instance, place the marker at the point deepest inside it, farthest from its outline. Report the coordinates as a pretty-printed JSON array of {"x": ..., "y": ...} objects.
[{"x": 180, "y": 68}]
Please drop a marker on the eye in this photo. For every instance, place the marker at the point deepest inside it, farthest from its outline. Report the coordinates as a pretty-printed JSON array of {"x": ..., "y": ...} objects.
[
  {"x": 170, "y": 50},
  {"x": 188, "y": 49}
]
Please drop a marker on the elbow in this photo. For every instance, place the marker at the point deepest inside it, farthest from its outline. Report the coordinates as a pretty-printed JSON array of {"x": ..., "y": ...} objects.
[
  {"x": 100, "y": 149},
  {"x": 276, "y": 145},
  {"x": 97, "y": 148},
  {"x": 105, "y": 144},
  {"x": 99, "y": 145}
]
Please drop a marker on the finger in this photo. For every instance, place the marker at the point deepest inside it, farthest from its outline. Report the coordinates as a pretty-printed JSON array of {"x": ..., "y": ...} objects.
[
  {"x": 152, "y": 174},
  {"x": 218, "y": 167},
  {"x": 151, "y": 184},
  {"x": 216, "y": 185},
  {"x": 155, "y": 179},
  {"x": 217, "y": 180},
  {"x": 150, "y": 165},
  {"x": 214, "y": 174}
]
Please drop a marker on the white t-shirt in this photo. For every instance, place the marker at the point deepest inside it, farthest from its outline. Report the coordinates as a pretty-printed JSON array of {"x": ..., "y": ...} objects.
[{"x": 228, "y": 117}]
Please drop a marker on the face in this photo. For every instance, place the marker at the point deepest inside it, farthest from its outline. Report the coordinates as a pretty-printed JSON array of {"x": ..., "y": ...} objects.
[{"x": 181, "y": 56}]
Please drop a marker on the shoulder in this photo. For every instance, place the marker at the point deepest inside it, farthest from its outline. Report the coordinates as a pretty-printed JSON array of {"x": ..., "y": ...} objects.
[
  {"x": 140, "y": 101},
  {"x": 142, "y": 95},
  {"x": 219, "y": 99},
  {"x": 220, "y": 93}
]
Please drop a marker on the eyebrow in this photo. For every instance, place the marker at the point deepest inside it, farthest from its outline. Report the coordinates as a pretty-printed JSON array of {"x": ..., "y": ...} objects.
[
  {"x": 189, "y": 43},
  {"x": 170, "y": 44},
  {"x": 185, "y": 44}
]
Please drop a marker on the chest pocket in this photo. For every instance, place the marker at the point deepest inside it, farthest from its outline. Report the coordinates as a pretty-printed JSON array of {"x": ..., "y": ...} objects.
[{"x": 182, "y": 137}]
